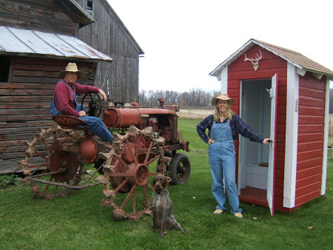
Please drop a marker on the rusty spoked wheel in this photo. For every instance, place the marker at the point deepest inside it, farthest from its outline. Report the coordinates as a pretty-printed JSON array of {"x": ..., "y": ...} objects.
[
  {"x": 135, "y": 158},
  {"x": 50, "y": 170}
]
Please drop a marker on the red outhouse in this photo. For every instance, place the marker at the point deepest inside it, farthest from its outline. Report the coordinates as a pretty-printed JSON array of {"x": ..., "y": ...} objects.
[{"x": 283, "y": 95}]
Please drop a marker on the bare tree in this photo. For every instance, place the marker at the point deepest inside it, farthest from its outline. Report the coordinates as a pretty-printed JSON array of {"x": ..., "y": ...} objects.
[{"x": 192, "y": 98}]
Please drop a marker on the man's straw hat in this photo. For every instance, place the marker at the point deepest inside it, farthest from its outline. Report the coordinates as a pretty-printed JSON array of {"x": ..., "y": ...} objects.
[
  {"x": 71, "y": 67},
  {"x": 224, "y": 97}
]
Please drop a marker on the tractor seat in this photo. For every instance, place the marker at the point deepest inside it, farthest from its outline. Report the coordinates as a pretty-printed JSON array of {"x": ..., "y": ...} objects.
[{"x": 70, "y": 122}]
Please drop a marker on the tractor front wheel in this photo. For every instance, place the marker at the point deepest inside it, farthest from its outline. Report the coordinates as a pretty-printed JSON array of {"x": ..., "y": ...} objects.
[{"x": 179, "y": 169}]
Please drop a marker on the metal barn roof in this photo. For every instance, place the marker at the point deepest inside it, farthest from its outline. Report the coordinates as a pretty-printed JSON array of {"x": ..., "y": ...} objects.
[
  {"x": 30, "y": 43},
  {"x": 293, "y": 57}
]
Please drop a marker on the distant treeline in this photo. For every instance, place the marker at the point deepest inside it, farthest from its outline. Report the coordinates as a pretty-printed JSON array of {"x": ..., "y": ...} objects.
[{"x": 192, "y": 98}]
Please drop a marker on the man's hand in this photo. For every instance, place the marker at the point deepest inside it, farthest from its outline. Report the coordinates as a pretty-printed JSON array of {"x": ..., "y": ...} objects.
[
  {"x": 82, "y": 113},
  {"x": 103, "y": 95}
]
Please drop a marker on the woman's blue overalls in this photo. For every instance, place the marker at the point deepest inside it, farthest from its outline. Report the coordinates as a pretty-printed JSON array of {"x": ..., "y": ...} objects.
[
  {"x": 222, "y": 166},
  {"x": 95, "y": 124}
]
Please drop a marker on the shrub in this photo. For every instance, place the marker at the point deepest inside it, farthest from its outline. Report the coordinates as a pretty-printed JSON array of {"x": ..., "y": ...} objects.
[{"x": 7, "y": 180}]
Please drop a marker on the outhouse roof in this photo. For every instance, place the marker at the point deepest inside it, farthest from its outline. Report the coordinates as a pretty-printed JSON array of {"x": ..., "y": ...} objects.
[
  {"x": 297, "y": 59},
  {"x": 31, "y": 43}
]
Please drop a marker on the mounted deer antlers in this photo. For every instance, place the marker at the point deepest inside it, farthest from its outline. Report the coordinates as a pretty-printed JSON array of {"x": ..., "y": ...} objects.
[{"x": 254, "y": 61}]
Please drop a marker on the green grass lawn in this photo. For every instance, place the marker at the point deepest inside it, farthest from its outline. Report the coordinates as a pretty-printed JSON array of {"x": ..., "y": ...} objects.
[{"x": 79, "y": 222}]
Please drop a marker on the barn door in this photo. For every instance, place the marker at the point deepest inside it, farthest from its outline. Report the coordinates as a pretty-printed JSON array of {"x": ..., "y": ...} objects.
[{"x": 270, "y": 177}]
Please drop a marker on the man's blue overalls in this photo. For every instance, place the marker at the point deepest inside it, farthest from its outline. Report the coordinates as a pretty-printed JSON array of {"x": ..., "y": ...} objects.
[
  {"x": 95, "y": 124},
  {"x": 222, "y": 163}
]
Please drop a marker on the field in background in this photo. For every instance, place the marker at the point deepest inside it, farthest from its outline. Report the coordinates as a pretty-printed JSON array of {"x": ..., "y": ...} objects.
[{"x": 195, "y": 114}]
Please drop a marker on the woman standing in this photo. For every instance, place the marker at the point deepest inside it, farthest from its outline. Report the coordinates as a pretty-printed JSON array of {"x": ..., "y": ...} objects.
[{"x": 223, "y": 128}]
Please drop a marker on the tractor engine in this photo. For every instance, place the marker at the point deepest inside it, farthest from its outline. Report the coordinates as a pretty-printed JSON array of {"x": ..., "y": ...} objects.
[{"x": 162, "y": 121}]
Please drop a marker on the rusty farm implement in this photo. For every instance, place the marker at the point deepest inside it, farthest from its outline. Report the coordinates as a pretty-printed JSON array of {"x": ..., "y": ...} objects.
[{"x": 146, "y": 141}]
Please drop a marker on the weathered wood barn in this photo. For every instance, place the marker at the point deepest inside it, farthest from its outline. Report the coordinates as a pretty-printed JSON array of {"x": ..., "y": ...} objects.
[
  {"x": 109, "y": 35},
  {"x": 283, "y": 95},
  {"x": 37, "y": 40}
]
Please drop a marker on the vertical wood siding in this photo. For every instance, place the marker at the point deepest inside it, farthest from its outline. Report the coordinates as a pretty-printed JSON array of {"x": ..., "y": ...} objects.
[
  {"x": 269, "y": 65},
  {"x": 310, "y": 138},
  {"x": 25, "y": 102},
  {"x": 108, "y": 36}
]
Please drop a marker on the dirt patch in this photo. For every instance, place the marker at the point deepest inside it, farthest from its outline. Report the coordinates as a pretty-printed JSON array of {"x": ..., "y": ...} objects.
[{"x": 195, "y": 114}]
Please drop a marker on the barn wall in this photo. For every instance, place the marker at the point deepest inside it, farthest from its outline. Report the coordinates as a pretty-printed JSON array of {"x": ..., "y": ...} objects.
[
  {"x": 269, "y": 65},
  {"x": 24, "y": 104},
  {"x": 310, "y": 138},
  {"x": 42, "y": 15},
  {"x": 109, "y": 36}
]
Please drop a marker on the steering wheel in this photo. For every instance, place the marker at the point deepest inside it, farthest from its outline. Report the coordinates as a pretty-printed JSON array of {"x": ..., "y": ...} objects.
[{"x": 93, "y": 103}]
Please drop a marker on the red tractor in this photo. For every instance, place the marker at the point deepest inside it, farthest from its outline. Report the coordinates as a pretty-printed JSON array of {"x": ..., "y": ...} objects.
[{"x": 146, "y": 141}]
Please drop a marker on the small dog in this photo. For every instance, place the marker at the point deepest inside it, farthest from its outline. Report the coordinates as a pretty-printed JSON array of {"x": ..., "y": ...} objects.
[{"x": 162, "y": 206}]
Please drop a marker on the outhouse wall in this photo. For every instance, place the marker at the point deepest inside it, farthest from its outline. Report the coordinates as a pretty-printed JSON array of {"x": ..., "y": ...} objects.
[
  {"x": 310, "y": 138},
  {"x": 270, "y": 64}
]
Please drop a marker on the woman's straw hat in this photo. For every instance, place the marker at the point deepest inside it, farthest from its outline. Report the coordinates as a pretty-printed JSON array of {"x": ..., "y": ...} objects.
[
  {"x": 224, "y": 97},
  {"x": 71, "y": 67}
]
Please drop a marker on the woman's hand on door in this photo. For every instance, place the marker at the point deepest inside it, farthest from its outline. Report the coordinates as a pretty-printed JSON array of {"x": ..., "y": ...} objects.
[{"x": 267, "y": 141}]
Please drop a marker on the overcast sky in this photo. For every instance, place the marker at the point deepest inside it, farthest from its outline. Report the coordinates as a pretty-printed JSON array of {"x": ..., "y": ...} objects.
[{"x": 184, "y": 40}]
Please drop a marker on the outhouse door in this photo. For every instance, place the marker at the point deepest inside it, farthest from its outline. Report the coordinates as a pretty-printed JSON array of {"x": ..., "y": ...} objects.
[
  {"x": 271, "y": 155},
  {"x": 256, "y": 161}
]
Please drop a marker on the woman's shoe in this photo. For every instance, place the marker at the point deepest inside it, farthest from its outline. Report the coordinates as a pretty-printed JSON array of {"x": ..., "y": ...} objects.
[
  {"x": 238, "y": 215},
  {"x": 218, "y": 211}
]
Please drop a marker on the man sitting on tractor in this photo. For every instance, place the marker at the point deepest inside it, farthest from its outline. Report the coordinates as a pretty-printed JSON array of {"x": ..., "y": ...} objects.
[{"x": 65, "y": 102}]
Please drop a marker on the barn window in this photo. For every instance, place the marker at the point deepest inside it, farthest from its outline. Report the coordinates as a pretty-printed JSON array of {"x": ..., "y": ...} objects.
[
  {"x": 4, "y": 68},
  {"x": 90, "y": 7}
]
